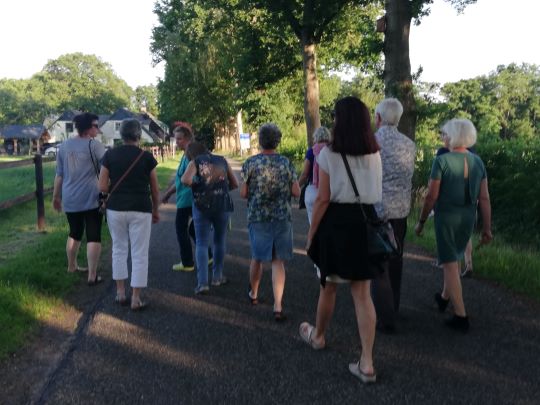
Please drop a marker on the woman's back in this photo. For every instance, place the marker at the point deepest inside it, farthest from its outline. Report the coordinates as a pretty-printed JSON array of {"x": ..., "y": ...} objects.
[
  {"x": 458, "y": 188},
  {"x": 366, "y": 171}
]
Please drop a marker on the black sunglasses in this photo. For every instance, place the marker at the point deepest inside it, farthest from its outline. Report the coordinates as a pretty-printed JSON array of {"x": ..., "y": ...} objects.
[{"x": 95, "y": 125}]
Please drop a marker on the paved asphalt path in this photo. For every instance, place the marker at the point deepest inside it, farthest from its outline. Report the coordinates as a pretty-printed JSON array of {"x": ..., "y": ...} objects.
[{"x": 218, "y": 349}]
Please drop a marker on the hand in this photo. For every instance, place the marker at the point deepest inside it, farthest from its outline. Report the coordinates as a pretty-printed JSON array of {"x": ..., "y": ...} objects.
[
  {"x": 418, "y": 229},
  {"x": 165, "y": 199},
  {"x": 486, "y": 237},
  {"x": 57, "y": 204},
  {"x": 155, "y": 217}
]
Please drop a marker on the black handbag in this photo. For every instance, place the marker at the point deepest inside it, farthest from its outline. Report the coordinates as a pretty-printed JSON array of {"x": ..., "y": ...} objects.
[
  {"x": 382, "y": 244},
  {"x": 302, "y": 199}
]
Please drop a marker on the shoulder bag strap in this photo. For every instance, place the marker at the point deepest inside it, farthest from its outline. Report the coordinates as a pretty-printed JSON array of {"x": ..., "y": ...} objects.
[
  {"x": 126, "y": 172},
  {"x": 94, "y": 163},
  {"x": 349, "y": 173}
]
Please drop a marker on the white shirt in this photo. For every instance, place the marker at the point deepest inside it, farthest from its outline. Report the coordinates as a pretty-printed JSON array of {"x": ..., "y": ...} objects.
[{"x": 366, "y": 171}]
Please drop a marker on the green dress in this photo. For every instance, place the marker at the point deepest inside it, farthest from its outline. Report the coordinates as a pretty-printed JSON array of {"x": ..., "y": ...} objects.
[{"x": 455, "y": 209}]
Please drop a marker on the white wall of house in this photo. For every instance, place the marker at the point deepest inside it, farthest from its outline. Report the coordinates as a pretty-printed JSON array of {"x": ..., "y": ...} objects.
[
  {"x": 62, "y": 130},
  {"x": 110, "y": 132}
]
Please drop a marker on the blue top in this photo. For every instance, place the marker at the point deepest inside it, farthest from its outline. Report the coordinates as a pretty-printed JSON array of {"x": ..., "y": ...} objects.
[
  {"x": 311, "y": 157},
  {"x": 184, "y": 197},
  {"x": 79, "y": 171}
]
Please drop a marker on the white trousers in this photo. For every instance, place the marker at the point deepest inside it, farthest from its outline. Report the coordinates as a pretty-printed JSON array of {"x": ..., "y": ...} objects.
[
  {"x": 311, "y": 195},
  {"x": 130, "y": 228}
]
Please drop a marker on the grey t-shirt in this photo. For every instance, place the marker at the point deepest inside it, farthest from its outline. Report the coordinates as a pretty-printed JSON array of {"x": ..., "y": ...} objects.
[{"x": 75, "y": 166}]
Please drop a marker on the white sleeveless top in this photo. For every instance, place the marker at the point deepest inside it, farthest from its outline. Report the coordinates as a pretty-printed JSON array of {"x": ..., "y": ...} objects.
[{"x": 367, "y": 174}]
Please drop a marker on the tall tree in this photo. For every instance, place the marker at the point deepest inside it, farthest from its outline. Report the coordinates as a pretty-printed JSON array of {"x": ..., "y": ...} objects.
[
  {"x": 270, "y": 39},
  {"x": 397, "y": 65}
]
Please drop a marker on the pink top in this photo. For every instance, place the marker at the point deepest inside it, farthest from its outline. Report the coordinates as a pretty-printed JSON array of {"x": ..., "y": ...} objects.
[{"x": 316, "y": 150}]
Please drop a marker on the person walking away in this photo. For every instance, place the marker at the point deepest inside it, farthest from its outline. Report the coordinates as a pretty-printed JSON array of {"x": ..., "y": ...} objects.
[
  {"x": 458, "y": 183},
  {"x": 310, "y": 172},
  {"x": 76, "y": 193},
  {"x": 210, "y": 178},
  {"x": 337, "y": 237},
  {"x": 129, "y": 174},
  {"x": 397, "y": 156},
  {"x": 269, "y": 181}
]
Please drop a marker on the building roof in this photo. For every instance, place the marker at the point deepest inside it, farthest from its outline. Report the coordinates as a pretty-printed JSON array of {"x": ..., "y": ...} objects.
[
  {"x": 122, "y": 114},
  {"x": 22, "y": 131},
  {"x": 103, "y": 118},
  {"x": 68, "y": 115}
]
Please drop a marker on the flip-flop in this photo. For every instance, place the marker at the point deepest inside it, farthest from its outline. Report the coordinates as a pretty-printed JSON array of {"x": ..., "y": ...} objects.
[
  {"x": 80, "y": 270},
  {"x": 122, "y": 301},
  {"x": 140, "y": 306},
  {"x": 354, "y": 368},
  {"x": 306, "y": 332},
  {"x": 96, "y": 281},
  {"x": 279, "y": 316}
]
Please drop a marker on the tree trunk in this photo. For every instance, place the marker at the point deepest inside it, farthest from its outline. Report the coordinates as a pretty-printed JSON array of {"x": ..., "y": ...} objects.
[
  {"x": 311, "y": 87},
  {"x": 397, "y": 64}
]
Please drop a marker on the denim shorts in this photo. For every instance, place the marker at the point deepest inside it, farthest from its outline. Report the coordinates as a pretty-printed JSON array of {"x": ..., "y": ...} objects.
[{"x": 271, "y": 240}]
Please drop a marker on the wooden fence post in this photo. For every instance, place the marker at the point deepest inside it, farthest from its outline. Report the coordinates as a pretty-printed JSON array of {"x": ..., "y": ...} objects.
[{"x": 38, "y": 162}]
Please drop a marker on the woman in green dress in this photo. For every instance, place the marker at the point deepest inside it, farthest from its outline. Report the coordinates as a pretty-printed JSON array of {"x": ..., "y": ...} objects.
[{"x": 457, "y": 183}]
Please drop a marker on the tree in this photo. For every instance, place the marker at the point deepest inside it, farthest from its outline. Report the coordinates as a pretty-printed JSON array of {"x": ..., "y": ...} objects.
[
  {"x": 261, "y": 40},
  {"x": 397, "y": 65},
  {"x": 147, "y": 97}
]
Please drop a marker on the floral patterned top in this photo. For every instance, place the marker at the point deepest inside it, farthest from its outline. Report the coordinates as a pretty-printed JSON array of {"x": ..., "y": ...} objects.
[
  {"x": 269, "y": 179},
  {"x": 397, "y": 155},
  {"x": 211, "y": 186}
]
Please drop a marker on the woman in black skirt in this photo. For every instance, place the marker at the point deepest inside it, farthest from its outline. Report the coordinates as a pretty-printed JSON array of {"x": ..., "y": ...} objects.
[{"x": 336, "y": 241}]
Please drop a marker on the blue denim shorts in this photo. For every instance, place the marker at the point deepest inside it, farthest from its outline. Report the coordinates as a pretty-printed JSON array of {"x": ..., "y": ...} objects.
[{"x": 271, "y": 239}]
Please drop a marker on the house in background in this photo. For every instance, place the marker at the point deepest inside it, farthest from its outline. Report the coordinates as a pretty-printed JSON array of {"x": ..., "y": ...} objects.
[
  {"x": 153, "y": 130},
  {"x": 23, "y": 139},
  {"x": 63, "y": 128}
]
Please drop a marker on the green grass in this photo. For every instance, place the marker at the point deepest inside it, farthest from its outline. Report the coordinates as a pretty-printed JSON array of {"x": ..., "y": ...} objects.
[
  {"x": 18, "y": 181},
  {"x": 33, "y": 277},
  {"x": 7, "y": 158},
  {"x": 512, "y": 266}
]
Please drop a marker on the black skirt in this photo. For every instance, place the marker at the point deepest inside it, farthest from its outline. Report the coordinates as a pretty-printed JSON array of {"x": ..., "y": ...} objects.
[{"x": 339, "y": 246}]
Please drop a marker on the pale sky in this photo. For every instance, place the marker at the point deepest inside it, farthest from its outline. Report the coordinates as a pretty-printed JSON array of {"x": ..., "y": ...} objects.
[{"x": 450, "y": 47}]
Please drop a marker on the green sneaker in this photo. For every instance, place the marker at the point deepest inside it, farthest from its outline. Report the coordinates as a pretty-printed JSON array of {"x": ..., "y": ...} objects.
[{"x": 181, "y": 267}]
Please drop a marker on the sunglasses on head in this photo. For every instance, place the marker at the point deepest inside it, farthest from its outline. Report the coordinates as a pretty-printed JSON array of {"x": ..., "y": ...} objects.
[{"x": 95, "y": 125}]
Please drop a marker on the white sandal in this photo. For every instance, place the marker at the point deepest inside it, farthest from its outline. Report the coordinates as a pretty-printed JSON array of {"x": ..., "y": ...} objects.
[
  {"x": 306, "y": 333},
  {"x": 354, "y": 368}
]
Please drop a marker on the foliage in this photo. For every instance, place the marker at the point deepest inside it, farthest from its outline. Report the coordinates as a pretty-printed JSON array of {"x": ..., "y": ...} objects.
[
  {"x": 147, "y": 97},
  {"x": 19, "y": 181},
  {"x": 73, "y": 81}
]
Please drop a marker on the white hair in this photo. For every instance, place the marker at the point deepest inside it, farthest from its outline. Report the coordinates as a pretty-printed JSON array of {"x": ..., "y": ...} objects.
[
  {"x": 461, "y": 133},
  {"x": 390, "y": 110},
  {"x": 321, "y": 134}
]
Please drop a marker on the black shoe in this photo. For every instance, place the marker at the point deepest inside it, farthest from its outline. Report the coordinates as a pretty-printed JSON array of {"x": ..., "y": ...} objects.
[
  {"x": 388, "y": 329},
  {"x": 441, "y": 302},
  {"x": 458, "y": 323}
]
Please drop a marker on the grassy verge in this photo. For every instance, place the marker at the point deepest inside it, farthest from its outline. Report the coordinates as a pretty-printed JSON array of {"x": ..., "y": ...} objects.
[
  {"x": 18, "y": 181},
  {"x": 512, "y": 266},
  {"x": 33, "y": 277}
]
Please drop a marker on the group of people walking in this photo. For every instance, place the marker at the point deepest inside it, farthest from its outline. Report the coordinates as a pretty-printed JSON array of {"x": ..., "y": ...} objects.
[{"x": 351, "y": 174}]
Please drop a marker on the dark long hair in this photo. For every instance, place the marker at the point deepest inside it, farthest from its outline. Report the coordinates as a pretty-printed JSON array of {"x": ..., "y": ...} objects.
[{"x": 352, "y": 133}]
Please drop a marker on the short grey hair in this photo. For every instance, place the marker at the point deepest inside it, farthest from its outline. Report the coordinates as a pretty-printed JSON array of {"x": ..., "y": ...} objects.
[
  {"x": 269, "y": 136},
  {"x": 460, "y": 132},
  {"x": 390, "y": 110},
  {"x": 130, "y": 129},
  {"x": 321, "y": 134}
]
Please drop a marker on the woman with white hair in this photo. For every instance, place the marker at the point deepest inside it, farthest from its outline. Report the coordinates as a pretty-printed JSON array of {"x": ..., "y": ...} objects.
[
  {"x": 128, "y": 174},
  {"x": 458, "y": 182},
  {"x": 310, "y": 173}
]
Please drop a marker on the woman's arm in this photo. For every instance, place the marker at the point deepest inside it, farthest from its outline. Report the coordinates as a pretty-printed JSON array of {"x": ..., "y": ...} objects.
[
  {"x": 57, "y": 193},
  {"x": 305, "y": 172},
  {"x": 429, "y": 202},
  {"x": 320, "y": 206},
  {"x": 103, "y": 182},
  {"x": 170, "y": 191},
  {"x": 295, "y": 189},
  {"x": 233, "y": 182},
  {"x": 154, "y": 189},
  {"x": 244, "y": 190},
  {"x": 485, "y": 210},
  {"x": 187, "y": 177}
]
